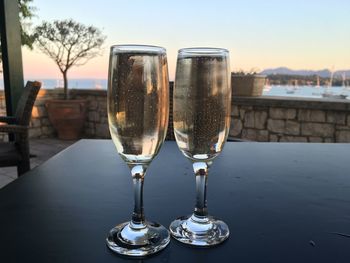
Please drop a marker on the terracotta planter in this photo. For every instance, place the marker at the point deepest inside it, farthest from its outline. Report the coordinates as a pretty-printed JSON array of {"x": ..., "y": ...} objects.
[
  {"x": 247, "y": 85},
  {"x": 67, "y": 117}
]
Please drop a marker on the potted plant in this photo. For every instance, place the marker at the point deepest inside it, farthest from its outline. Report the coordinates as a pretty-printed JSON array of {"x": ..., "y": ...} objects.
[
  {"x": 247, "y": 84},
  {"x": 68, "y": 43}
]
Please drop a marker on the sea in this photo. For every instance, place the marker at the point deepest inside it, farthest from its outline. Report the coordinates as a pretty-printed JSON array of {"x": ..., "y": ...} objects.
[
  {"x": 308, "y": 91},
  {"x": 273, "y": 90},
  {"x": 91, "y": 84}
]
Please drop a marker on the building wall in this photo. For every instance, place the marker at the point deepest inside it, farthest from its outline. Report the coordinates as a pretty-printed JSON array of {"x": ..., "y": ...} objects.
[{"x": 264, "y": 119}]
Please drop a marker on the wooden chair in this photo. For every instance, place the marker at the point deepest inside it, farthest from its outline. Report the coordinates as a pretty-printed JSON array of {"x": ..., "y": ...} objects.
[{"x": 16, "y": 153}]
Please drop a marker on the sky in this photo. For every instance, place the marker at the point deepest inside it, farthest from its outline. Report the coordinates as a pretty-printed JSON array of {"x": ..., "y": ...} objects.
[{"x": 259, "y": 34}]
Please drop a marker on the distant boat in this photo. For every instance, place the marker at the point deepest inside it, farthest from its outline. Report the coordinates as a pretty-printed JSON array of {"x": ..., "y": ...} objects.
[
  {"x": 329, "y": 94},
  {"x": 296, "y": 85},
  {"x": 345, "y": 83},
  {"x": 267, "y": 86},
  {"x": 98, "y": 85},
  {"x": 318, "y": 82},
  {"x": 59, "y": 83},
  {"x": 317, "y": 87},
  {"x": 290, "y": 90}
]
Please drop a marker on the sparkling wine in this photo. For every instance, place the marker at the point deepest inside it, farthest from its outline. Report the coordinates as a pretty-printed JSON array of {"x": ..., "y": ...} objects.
[
  {"x": 138, "y": 105},
  {"x": 201, "y": 105}
]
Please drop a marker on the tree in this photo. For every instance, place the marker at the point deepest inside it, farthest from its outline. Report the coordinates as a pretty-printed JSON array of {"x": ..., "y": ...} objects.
[
  {"x": 68, "y": 43},
  {"x": 26, "y": 12}
]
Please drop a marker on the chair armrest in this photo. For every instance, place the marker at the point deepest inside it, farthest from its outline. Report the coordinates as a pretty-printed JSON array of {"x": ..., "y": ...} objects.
[
  {"x": 13, "y": 128},
  {"x": 8, "y": 119}
]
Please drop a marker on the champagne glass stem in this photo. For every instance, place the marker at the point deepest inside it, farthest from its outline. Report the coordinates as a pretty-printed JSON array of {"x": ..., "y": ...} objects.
[
  {"x": 138, "y": 217},
  {"x": 201, "y": 172}
]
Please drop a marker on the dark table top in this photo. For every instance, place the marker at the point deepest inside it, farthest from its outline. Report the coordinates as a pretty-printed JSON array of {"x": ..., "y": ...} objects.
[{"x": 282, "y": 202}]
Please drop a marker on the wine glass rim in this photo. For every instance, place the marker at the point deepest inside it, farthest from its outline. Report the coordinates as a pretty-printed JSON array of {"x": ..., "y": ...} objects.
[
  {"x": 200, "y": 51},
  {"x": 137, "y": 48}
]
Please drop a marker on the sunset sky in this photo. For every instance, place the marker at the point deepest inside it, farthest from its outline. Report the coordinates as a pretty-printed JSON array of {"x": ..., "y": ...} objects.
[{"x": 259, "y": 34}]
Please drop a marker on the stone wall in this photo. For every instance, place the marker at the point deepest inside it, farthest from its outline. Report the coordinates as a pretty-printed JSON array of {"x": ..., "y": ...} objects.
[
  {"x": 282, "y": 119},
  {"x": 274, "y": 119},
  {"x": 96, "y": 125}
]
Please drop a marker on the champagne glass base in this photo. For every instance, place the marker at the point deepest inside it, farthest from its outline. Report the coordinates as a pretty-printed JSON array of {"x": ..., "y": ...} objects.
[
  {"x": 202, "y": 232},
  {"x": 124, "y": 239}
]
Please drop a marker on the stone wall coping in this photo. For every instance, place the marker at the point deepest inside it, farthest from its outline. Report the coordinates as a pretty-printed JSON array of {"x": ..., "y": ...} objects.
[
  {"x": 293, "y": 102},
  {"x": 262, "y": 101}
]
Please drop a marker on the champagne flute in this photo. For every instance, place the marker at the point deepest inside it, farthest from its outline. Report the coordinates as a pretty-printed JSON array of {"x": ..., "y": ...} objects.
[
  {"x": 202, "y": 103},
  {"x": 138, "y": 109}
]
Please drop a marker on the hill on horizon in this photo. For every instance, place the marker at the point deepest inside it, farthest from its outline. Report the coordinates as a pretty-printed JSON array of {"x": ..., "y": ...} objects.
[{"x": 324, "y": 73}]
